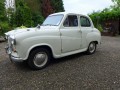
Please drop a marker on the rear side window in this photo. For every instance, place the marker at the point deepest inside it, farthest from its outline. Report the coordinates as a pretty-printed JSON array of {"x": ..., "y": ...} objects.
[
  {"x": 85, "y": 22},
  {"x": 71, "y": 21}
]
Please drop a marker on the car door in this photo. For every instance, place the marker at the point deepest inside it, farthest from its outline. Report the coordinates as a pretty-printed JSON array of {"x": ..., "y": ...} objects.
[
  {"x": 70, "y": 34},
  {"x": 86, "y": 28}
]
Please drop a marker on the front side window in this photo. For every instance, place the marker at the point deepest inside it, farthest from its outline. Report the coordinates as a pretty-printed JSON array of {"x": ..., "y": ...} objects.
[
  {"x": 84, "y": 21},
  {"x": 53, "y": 20},
  {"x": 71, "y": 21}
]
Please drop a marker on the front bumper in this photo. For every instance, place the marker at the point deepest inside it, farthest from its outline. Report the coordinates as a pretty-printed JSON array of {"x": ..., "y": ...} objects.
[
  {"x": 13, "y": 56},
  {"x": 15, "y": 59}
]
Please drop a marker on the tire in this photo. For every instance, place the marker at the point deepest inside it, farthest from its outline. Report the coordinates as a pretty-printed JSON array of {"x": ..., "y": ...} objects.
[
  {"x": 91, "y": 48},
  {"x": 39, "y": 58}
]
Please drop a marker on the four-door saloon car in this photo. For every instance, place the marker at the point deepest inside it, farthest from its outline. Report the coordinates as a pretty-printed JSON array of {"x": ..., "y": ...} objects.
[{"x": 60, "y": 35}]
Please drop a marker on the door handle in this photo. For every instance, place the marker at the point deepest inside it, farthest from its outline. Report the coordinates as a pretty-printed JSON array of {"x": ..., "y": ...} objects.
[{"x": 80, "y": 31}]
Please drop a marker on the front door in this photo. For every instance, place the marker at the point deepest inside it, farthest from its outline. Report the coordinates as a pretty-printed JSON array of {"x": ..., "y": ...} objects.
[{"x": 70, "y": 34}]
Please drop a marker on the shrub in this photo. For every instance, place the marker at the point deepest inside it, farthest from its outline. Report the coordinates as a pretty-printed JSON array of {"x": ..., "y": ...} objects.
[
  {"x": 4, "y": 27},
  {"x": 99, "y": 27},
  {"x": 37, "y": 18}
]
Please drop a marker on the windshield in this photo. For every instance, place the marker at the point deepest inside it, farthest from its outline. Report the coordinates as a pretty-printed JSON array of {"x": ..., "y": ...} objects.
[{"x": 53, "y": 20}]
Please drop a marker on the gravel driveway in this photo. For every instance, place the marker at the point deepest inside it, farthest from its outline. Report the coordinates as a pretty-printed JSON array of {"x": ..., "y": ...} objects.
[{"x": 100, "y": 71}]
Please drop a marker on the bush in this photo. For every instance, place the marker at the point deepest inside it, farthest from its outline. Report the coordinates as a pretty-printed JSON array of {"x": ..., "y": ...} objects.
[
  {"x": 99, "y": 27},
  {"x": 37, "y": 18},
  {"x": 4, "y": 27},
  {"x": 23, "y": 15}
]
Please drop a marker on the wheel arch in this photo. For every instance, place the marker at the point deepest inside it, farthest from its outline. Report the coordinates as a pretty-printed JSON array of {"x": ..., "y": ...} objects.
[
  {"x": 42, "y": 46},
  {"x": 48, "y": 47},
  {"x": 96, "y": 42}
]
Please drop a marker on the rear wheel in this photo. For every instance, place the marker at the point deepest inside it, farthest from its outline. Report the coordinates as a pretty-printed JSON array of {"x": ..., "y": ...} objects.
[
  {"x": 91, "y": 48},
  {"x": 39, "y": 58}
]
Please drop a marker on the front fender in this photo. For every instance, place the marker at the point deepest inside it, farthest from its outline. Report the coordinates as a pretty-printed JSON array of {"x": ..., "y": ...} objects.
[
  {"x": 39, "y": 45},
  {"x": 25, "y": 46}
]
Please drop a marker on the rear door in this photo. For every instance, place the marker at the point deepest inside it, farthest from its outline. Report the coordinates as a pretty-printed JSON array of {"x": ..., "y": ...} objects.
[{"x": 86, "y": 28}]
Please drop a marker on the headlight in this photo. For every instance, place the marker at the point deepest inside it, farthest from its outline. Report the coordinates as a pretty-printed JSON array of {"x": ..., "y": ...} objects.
[
  {"x": 12, "y": 42},
  {"x": 12, "y": 39}
]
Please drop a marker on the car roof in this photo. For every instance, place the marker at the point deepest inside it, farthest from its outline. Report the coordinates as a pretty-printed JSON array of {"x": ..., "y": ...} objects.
[{"x": 66, "y": 13}]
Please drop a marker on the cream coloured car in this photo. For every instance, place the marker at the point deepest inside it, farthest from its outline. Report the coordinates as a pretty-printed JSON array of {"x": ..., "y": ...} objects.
[{"x": 60, "y": 35}]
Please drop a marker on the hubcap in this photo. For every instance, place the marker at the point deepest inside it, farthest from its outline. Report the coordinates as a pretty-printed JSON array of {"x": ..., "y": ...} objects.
[
  {"x": 92, "y": 47},
  {"x": 40, "y": 59}
]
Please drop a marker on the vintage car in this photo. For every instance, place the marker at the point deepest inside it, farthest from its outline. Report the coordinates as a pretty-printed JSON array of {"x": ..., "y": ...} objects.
[{"x": 60, "y": 35}]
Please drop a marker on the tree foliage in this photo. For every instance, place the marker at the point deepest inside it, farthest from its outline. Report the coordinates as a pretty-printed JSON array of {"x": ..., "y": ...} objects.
[
  {"x": 27, "y": 12},
  {"x": 46, "y": 8},
  {"x": 57, "y": 5},
  {"x": 37, "y": 18},
  {"x": 111, "y": 13},
  {"x": 3, "y": 18},
  {"x": 36, "y": 9},
  {"x": 23, "y": 14},
  {"x": 2, "y": 11},
  {"x": 34, "y": 5},
  {"x": 116, "y": 4}
]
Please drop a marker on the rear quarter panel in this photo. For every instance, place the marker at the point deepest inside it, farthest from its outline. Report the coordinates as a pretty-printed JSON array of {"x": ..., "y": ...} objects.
[{"x": 93, "y": 36}]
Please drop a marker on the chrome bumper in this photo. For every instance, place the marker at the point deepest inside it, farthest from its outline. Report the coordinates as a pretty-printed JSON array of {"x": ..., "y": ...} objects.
[
  {"x": 15, "y": 59},
  {"x": 12, "y": 58}
]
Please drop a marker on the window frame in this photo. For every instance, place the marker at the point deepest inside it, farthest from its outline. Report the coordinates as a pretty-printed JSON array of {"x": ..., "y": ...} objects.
[
  {"x": 87, "y": 20},
  {"x": 67, "y": 17}
]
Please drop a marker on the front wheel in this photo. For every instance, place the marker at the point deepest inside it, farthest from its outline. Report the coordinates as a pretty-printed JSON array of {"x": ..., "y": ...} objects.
[
  {"x": 91, "y": 48},
  {"x": 39, "y": 58}
]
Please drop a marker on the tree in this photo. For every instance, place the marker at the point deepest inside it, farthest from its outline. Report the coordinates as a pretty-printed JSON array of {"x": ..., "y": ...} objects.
[
  {"x": 51, "y": 6},
  {"x": 116, "y": 4},
  {"x": 46, "y": 8},
  {"x": 57, "y": 5},
  {"x": 2, "y": 11},
  {"x": 12, "y": 20},
  {"x": 23, "y": 14},
  {"x": 37, "y": 18},
  {"x": 4, "y": 27},
  {"x": 32, "y": 12},
  {"x": 34, "y": 5}
]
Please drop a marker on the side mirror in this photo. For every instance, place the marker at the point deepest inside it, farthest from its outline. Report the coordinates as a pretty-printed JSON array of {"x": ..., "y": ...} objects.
[{"x": 38, "y": 26}]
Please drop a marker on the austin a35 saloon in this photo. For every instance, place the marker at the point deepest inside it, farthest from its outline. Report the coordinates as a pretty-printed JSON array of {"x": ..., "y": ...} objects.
[{"x": 60, "y": 35}]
